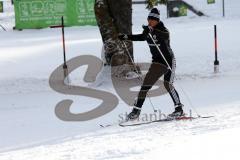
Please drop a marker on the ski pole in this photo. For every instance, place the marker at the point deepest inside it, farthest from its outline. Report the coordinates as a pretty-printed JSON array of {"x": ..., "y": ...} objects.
[
  {"x": 160, "y": 51},
  {"x": 129, "y": 55},
  {"x": 172, "y": 71},
  {"x": 139, "y": 75}
]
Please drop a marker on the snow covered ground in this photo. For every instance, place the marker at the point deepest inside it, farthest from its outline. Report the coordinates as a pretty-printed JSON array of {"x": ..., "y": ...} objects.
[{"x": 29, "y": 129}]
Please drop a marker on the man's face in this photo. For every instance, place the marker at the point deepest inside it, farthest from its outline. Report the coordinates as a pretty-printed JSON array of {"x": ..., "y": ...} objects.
[{"x": 152, "y": 22}]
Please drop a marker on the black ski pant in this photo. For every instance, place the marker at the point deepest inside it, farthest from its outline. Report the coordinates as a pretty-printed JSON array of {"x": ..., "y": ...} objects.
[{"x": 154, "y": 73}]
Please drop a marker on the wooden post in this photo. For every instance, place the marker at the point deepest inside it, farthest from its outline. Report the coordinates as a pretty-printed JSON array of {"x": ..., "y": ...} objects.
[
  {"x": 223, "y": 7},
  {"x": 216, "y": 62}
]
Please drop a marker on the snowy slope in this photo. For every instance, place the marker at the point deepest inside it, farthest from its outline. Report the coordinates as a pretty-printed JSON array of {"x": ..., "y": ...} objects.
[
  {"x": 203, "y": 139},
  {"x": 27, "y": 103}
]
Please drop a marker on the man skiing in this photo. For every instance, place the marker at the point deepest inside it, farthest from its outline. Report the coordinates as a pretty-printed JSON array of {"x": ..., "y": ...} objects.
[{"x": 161, "y": 36}]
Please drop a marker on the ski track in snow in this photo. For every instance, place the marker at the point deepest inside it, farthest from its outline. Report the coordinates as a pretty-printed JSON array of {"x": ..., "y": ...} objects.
[{"x": 134, "y": 142}]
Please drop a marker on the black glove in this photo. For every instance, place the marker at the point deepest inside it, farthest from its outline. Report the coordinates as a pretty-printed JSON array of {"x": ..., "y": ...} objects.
[
  {"x": 123, "y": 37},
  {"x": 147, "y": 29}
]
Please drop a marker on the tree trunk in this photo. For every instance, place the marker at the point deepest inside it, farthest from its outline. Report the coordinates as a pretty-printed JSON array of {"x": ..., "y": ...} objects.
[{"x": 114, "y": 17}]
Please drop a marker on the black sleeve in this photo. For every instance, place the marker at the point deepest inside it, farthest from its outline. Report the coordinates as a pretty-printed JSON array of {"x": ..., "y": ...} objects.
[
  {"x": 137, "y": 37},
  {"x": 162, "y": 34}
]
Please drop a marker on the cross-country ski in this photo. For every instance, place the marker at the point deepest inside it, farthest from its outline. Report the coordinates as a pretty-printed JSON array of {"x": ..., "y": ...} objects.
[{"x": 167, "y": 119}]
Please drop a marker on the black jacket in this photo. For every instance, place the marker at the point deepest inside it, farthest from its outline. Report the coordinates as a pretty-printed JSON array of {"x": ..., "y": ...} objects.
[{"x": 162, "y": 38}]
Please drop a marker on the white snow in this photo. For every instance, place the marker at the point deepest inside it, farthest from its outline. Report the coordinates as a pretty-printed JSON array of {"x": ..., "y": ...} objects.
[{"x": 29, "y": 128}]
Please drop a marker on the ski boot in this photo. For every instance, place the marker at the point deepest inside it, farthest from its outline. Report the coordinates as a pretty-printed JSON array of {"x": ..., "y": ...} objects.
[
  {"x": 134, "y": 114},
  {"x": 178, "y": 112}
]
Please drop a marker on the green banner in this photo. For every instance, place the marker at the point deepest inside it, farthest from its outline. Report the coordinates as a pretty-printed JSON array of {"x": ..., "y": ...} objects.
[
  {"x": 176, "y": 9},
  {"x": 210, "y": 1},
  {"x": 44, "y": 13},
  {"x": 1, "y": 6}
]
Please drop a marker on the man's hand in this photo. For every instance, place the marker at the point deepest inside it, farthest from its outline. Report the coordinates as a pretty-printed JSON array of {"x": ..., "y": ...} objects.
[
  {"x": 147, "y": 29},
  {"x": 123, "y": 37}
]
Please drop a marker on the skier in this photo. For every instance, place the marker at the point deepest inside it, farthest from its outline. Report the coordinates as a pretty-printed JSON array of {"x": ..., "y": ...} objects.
[{"x": 162, "y": 38}]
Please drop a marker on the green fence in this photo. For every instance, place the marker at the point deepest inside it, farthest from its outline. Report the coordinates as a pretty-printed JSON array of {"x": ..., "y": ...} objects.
[
  {"x": 44, "y": 13},
  {"x": 1, "y": 6}
]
